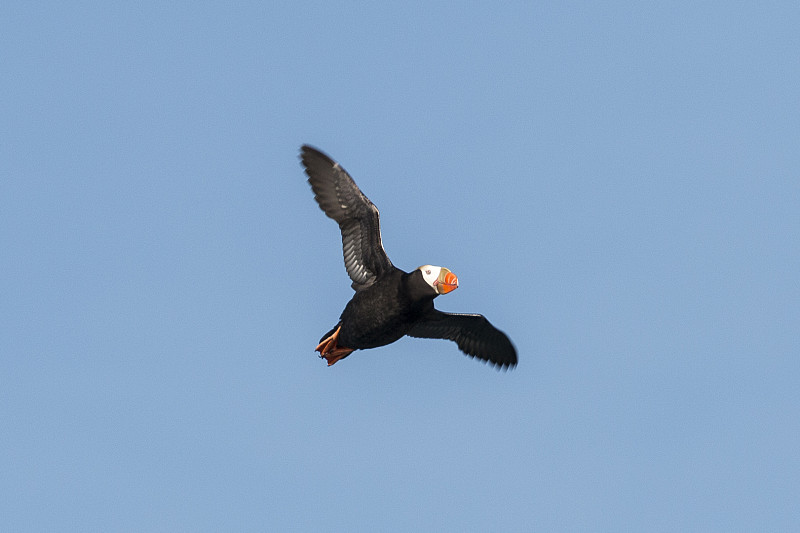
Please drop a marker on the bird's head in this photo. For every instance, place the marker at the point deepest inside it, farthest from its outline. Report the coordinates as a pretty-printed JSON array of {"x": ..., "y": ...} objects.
[{"x": 439, "y": 278}]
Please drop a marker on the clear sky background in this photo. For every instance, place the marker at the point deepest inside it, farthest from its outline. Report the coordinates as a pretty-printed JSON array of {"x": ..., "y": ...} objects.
[{"x": 617, "y": 186}]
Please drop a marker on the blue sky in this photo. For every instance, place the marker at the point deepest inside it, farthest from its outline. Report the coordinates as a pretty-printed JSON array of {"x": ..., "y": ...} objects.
[{"x": 615, "y": 185}]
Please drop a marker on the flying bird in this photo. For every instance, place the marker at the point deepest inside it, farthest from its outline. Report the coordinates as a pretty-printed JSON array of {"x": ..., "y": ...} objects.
[{"x": 389, "y": 303}]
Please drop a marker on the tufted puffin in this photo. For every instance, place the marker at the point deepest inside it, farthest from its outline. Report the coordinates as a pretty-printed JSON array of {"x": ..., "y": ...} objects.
[{"x": 389, "y": 303}]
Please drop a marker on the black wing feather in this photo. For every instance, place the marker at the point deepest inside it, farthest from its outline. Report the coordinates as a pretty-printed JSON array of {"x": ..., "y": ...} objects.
[
  {"x": 358, "y": 218},
  {"x": 475, "y": 336}
]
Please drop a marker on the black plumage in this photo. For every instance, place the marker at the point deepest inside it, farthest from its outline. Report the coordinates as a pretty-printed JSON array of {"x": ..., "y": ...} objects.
[{"x": 389, "y": 303}]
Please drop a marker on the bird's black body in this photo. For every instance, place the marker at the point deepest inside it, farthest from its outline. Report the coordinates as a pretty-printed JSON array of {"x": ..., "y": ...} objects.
[
  {"x": 385, "y": 311},
  {"x": 388, "y": 302}
]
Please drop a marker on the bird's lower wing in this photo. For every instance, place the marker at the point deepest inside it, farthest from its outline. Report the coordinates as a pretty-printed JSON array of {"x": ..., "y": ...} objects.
[{"x": 474, "y": 335}]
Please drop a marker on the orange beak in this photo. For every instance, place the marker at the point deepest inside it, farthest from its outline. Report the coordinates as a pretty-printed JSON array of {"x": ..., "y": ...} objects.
[{"x": 447, "y": 282}]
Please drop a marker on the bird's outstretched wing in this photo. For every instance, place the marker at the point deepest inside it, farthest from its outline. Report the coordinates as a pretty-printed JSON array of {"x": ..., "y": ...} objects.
[
  {"x": 341, "y": 199},
  {"x": 474, "y": 335}
]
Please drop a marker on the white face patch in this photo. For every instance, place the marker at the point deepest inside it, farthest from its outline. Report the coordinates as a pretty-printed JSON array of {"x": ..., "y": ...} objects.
[{"x": 430, "y": 274}]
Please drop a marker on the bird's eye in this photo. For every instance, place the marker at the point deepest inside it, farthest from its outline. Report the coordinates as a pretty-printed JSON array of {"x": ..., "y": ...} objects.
[{"x": 428, "y": 271}]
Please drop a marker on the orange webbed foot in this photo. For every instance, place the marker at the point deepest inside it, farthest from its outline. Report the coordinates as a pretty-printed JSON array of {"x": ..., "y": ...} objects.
[{"x": 330, "y": 350}]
